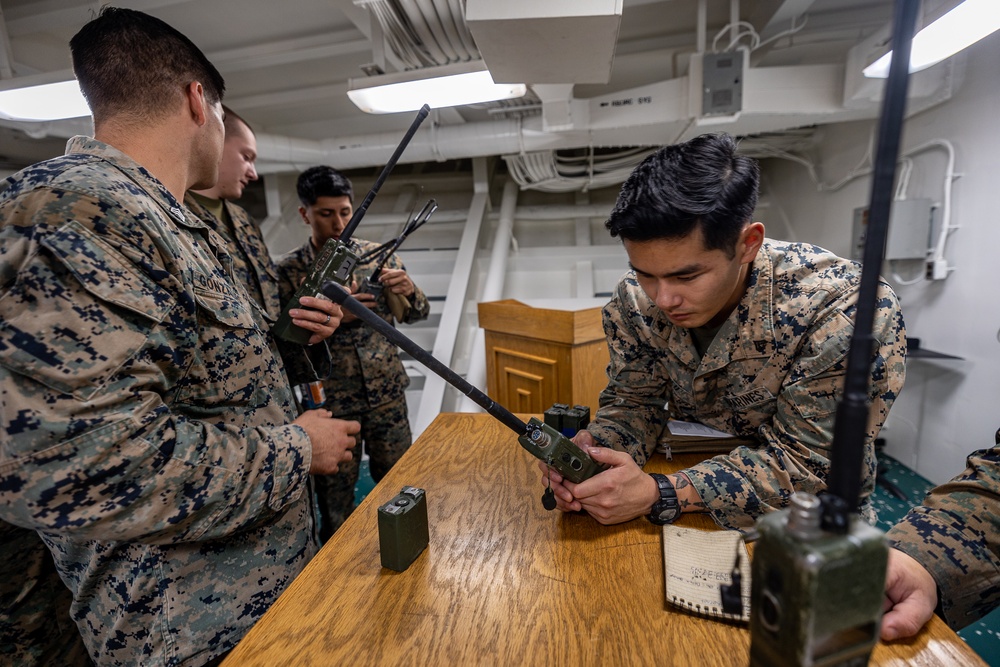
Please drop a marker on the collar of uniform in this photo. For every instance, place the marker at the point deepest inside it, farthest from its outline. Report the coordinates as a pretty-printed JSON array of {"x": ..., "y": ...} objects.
[
  {"x": 308, "y": 251},
  {"x": 199, "y": 215},
  {"x": 135, "y": 171},
  {"x": 749, "y": 331}
]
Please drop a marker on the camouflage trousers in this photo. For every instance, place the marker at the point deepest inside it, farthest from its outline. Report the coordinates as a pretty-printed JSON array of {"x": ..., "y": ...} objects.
[
  {"x": 35, "y": 623},
  {"x": 385, "y": 431}
]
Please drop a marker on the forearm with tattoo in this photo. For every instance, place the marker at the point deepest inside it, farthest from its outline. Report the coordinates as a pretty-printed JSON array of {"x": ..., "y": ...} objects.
[{"x": 687, "y": 496}]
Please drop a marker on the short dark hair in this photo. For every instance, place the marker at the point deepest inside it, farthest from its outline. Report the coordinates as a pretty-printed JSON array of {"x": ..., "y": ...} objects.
[
  {"x": 128, "y": 62},
  {"x": 234, "y": 120},
  {"x": 322, "y": 181},
  {"x": 701, "y": 183}
]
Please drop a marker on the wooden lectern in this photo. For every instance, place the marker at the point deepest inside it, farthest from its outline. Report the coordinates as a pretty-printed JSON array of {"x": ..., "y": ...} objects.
[{"x": 538, "y": 356}]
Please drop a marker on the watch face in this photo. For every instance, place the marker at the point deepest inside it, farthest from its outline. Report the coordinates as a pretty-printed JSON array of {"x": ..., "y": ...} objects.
[{"x": 669, "y": 514}]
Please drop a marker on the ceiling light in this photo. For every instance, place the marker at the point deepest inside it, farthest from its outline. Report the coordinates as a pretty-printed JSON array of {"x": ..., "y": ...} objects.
[
  {"x": 963, "y": 26},
  {"x": 48, "y": 101},
  {"x": 444, "y": 86}
]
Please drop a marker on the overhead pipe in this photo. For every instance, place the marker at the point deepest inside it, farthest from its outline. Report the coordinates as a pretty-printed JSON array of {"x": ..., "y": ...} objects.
[{"x": 611, "y": 121}]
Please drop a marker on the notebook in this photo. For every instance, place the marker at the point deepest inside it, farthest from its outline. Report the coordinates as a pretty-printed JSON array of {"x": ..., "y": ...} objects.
[
  {"x": 681, "y": 437},
  {"x": 697, "y": 563}
]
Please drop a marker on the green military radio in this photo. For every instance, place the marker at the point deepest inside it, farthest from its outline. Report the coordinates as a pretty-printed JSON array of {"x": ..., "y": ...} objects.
[
  {"x": 819, "y": 570},
  {"x": 337, "y": 259}
]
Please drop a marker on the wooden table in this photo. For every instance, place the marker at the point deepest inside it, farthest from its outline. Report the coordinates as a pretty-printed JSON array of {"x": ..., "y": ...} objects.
[{"x": 503, "y": 582}]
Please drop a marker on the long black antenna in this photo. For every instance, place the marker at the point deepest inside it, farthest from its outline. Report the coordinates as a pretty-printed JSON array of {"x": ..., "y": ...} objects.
[
  {"x": 847, "y": 450},
  {"x": 359, "y": 212},
  {"x": 337, "y": 294}
]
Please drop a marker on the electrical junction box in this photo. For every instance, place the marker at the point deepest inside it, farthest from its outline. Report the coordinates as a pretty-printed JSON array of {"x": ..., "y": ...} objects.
[
  {"x": 716, "y": 85},
  {"x": 909, "y": 230}
]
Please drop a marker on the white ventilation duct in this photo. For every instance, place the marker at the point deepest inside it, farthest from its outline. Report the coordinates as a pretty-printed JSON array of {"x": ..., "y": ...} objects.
[{"x": 775, "y": 99}]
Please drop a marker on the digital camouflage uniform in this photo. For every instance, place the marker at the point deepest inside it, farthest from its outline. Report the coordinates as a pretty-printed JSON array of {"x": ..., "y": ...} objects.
[
  {"x": 252, "y": 264},
  {"x": 35, "y": 626},
  {"x": 145, "y": 412},
  {"x": 955, "y": 535},
  {"x": 773, "y": 374},
  {"x": 368, "y": 384}
]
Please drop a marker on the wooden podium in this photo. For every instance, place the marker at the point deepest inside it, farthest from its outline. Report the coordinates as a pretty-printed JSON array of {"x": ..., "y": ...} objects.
[{"x": 538, "y": 356}]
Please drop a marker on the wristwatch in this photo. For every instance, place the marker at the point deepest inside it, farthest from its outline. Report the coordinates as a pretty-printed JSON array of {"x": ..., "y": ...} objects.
[{"x": 666, "y": 509}]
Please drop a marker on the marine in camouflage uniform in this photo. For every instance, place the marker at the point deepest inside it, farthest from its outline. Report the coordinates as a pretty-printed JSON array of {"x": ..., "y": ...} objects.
[
  {"x": 955, "y": 536},
  {"x": 368, "y": 383},
  {"x": 252, "y": 264},
  {"x": 773, "y": 374},
  {"x": 145, "y": 412}
]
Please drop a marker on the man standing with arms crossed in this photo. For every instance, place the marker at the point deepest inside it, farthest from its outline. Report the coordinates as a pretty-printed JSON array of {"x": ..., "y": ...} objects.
[{"x": 148, "y": 424}]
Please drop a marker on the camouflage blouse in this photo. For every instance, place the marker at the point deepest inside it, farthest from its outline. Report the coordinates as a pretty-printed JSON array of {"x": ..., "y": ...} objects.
[
  {"x": 145, "y": 413},
  {"x": 773, "y": 376}
]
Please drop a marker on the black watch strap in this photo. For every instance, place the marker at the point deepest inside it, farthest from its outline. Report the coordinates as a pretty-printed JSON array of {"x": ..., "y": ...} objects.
[{"x": 667, "y": 509}]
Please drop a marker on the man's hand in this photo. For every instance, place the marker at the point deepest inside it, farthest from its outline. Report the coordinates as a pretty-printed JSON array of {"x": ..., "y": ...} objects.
[
  {"x": 367, "y": 300},
  {"x": 618, "y": 494},
  {"x": 397, "y": 282},
  {"x": 321, "y": 316},
  {"x": 910, "y": 597},
  {"x": 564, "y": 498},
  {"x": 332, "y": 440}
]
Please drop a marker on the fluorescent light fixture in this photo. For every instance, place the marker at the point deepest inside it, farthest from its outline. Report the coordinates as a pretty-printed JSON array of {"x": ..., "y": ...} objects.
[
  {"x": 48, "y": 101},
  {"x": 963, "y": 26},
  {"x": 443, "y": 86}
]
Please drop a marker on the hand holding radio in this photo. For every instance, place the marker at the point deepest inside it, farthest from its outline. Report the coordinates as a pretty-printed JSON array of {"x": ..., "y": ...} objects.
[
  {"x": 618, "y": 494},
  {"x": 367, "y": 299},
  {"x": 397, "y": 281},
  {"x": 319, "y": 316}
]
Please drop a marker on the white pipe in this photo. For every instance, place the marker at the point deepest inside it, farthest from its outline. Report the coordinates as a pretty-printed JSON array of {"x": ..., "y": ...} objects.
[
  {"x": 432, "y": 396},
  {"x": 492, "y": 290},
  {"x": 702, "y": 26},
  {"x": 949, "y": 179},
  {"x": 734, "y": 21},
  {"x": 493, "y": 286}
]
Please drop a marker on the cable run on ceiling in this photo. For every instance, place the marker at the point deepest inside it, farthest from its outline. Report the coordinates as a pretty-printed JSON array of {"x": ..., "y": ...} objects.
[{"x": 424, "y": 33}]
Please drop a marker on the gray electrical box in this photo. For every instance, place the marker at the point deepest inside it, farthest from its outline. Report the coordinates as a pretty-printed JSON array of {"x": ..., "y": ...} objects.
[
  {"x": 909, "y": 230},
  {"x": 722, "y": 82}
]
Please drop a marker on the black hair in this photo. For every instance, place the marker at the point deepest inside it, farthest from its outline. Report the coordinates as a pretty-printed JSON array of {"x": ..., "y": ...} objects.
[
  {"x": 128, "y": 62},
  {"x": 322, "y": 181},
  {"x": 700, "y": 184}
]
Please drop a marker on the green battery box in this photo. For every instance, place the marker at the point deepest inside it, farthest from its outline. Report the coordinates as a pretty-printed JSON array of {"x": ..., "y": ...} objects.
[{"x": 402, "y": 528}]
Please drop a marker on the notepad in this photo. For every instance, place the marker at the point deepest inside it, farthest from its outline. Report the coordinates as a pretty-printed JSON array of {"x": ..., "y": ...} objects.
[
  {"x": 683, "y": 437},
  {"x": 697, "y": 563}
]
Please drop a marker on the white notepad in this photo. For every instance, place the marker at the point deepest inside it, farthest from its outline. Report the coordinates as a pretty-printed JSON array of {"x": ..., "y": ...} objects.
[{"x": 697, "y": 562}]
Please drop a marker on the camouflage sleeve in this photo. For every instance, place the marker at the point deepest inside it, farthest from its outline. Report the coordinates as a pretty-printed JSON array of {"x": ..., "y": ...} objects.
[
  {"x": 420, "y": 307},
  {"x": 955, "y": 535},
  {"x": 92, "y": 346},
  {"x": 35, "y": 624},
  {"x": 631, "y": 415},
  {"x": 794, "y": 454}
]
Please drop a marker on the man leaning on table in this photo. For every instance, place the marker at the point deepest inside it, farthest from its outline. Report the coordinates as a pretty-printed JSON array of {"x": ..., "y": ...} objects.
[
  {"x": 946, "y": 552},
  {"x": 728, "y": 328}
]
